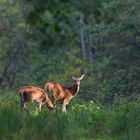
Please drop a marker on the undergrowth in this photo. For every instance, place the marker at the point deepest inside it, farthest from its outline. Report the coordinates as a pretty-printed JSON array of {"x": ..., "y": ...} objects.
[{"x": 83, "y": 121}]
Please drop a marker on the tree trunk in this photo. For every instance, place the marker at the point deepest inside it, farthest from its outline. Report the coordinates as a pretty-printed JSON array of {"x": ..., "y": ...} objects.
[
  {"x": 90, "y": 55},
  {"x": 82, "y": 41},
  {"x": 14, "y": 62}
]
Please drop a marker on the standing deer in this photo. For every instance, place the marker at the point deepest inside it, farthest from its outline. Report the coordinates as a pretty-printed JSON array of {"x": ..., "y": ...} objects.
[
  {"x": 38, "y": 95},
  {"x": 61, "y": 94}
]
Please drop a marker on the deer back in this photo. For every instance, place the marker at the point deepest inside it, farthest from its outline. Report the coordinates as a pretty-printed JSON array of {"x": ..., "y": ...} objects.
[
  {"x": 58, "y": 91},
  {"x": 32, "y": 93}
]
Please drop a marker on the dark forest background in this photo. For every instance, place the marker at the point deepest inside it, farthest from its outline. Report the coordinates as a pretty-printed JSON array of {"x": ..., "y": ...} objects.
[{"x": 52, "y": 40}]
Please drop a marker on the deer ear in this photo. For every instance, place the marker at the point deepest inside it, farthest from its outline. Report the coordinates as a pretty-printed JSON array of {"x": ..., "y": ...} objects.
[
  {"x": 81, "y": 77},
  {"x": 73, "y": 78}
]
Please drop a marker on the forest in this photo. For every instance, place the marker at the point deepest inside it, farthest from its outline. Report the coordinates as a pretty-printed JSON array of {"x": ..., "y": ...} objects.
[{"x": 52, "y": 40}]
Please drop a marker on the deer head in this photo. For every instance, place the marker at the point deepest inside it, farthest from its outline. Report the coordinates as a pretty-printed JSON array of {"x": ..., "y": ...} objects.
[{"x": 77, "y": 80}]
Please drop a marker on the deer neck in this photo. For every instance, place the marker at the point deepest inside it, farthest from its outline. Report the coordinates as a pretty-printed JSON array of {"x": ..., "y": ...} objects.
[{"x": 75, "y": 89}]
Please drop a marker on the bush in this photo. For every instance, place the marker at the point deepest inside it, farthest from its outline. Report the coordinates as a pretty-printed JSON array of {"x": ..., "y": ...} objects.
[{"x": 84, "y": 120}]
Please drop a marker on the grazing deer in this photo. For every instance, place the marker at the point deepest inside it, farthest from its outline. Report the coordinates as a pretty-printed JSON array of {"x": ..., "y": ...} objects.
[
  {"x": 38, "y": 95},
  {"x": 61, "y": 94}
]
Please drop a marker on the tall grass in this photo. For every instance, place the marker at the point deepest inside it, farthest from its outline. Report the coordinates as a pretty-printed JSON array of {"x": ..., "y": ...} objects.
[{"x": 83, "y": 121}]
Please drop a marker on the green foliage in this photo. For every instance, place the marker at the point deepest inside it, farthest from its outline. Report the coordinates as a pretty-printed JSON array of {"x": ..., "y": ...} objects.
[
  {"x": 126, "y": 121},
  {"x": 53, "y": 40},
  {"x": 84, "y": 120}
]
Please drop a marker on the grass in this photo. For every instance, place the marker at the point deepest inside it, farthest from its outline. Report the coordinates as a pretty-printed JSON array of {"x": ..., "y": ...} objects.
[{"x": 83, "y": 121}]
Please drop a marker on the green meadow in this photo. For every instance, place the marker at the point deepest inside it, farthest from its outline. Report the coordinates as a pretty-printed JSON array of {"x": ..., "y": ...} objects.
[
  {"x": 45, "y": 41},
  {"x": 83, "y": 121}
]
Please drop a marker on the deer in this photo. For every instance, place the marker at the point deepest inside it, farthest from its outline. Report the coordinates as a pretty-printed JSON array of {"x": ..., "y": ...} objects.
[
  {"x": 62, "y": 94},
  {"x": 34, "y": 94}
]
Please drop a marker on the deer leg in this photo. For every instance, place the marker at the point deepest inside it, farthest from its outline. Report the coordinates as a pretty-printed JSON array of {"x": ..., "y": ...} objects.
[
  {"x": 50, "y": 104},
  {"x": 54, "y": 102},
  {"x": 53, "y": 98},
  {"x": 64, "y": 105},
  {"x": 24, "y": 107},
  {"x": 40, "y": 105}
]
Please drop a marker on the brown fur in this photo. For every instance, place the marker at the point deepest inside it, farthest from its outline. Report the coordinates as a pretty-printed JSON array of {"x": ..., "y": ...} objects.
[
  {"x": 63, "y": 94},
  {"x": 35, "y": 94}
]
